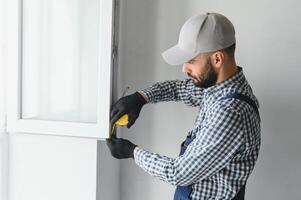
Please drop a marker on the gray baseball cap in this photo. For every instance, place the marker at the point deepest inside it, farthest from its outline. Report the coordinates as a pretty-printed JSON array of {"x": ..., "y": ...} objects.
[{"x": 201, "y": 34}]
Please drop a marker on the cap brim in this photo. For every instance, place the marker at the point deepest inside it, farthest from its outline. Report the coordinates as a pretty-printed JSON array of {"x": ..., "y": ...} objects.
[{"x": 176, "y": 56}]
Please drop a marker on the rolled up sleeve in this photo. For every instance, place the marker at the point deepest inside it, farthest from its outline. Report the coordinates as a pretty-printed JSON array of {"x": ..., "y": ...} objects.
[{"x": 174, "y": 90}]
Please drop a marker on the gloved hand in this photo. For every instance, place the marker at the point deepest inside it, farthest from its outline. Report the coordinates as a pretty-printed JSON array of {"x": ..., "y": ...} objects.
[
  {"x": 131, "y": 105},
  {"x": 121, "y": 148}
]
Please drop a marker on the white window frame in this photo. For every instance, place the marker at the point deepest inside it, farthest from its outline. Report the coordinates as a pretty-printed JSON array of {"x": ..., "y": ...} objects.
[
  {"x": 3, "y": 134},
  {"x": 15, "y": 123}
]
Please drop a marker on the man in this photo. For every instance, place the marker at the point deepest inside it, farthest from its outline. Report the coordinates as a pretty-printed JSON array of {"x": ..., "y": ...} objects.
[{"x": 220, "y": 151}]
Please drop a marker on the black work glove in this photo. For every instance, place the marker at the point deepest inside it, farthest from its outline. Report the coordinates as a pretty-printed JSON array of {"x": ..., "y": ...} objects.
[
  {"x": 131, "y": 105},
  {"x": 121, "y": 148}
]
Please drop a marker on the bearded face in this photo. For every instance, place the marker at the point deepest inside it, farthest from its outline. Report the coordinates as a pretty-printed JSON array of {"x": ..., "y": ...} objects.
[{"x": 205, "y": 79}]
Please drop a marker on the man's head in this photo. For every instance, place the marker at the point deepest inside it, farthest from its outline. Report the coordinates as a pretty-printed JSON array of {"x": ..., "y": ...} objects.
[{"x": 206, "y": 44}]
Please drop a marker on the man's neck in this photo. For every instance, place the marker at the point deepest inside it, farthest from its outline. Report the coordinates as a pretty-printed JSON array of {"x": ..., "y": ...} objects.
[{"x": 227, "y": 71}]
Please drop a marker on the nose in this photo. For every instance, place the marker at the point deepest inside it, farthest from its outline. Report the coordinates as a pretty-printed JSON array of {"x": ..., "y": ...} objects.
[{"x": 186, "y": 68}]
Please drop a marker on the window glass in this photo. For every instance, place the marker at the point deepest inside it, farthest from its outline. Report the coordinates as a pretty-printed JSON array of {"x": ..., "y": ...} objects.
[{"x": 60, "y": 58}]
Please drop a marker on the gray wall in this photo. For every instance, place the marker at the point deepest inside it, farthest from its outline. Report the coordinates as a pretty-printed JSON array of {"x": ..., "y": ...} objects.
[{"x": 268, "y": 48}]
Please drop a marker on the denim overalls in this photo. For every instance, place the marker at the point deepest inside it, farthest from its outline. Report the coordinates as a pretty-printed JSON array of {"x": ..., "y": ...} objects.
[{"x": 183, "y": 192}]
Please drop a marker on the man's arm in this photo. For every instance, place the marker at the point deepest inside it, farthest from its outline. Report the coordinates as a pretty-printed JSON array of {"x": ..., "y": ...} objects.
[
  {"x": 213, "y": 148},
  {"x": 174, "y": 90}
]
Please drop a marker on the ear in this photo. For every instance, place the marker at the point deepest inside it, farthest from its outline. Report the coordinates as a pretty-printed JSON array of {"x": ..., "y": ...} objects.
[{"x": 218, "y": 59}]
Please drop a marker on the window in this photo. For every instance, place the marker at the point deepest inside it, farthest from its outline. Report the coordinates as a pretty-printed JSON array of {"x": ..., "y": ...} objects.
[{"x": 60, "y": 67}]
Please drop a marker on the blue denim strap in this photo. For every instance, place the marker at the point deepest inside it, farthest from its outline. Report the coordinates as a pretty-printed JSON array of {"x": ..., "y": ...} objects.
[
  {"x": 183, "y": 192},
  {"x": 243, "y": 98}
]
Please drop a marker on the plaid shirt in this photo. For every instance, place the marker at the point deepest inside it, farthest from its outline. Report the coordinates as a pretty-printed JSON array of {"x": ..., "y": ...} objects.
[{"x": 227, "y": 139}]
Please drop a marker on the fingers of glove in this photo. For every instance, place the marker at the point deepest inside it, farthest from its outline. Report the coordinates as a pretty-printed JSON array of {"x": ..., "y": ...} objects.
[
  {"x": 129, "y": 125},
  {"x": 110, "y": 143},
  {"x": 113, "y": 138},
  {"x": 115, "y": 109},
  {"x": 132, "y": 119},
  {"x": 117, "y": 102},
  {"x": 113, "y": 112},
  {"x": 119, "y": 105},
  {"x": 115, "y": 117},
  {"x": 121, "y": 142}
]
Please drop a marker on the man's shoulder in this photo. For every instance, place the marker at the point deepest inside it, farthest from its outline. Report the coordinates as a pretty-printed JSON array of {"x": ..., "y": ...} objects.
[{"x": 224, "y": 106}]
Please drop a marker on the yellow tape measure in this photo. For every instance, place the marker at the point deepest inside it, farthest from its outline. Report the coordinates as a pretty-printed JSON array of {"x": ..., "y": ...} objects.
[{"x": 122, "y": 121}]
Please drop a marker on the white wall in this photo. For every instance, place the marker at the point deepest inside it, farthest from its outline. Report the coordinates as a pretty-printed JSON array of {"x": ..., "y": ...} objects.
[
  {"x": 108, "y": 184},
  {"x": 268, "y": 48},
  {"x": 51, "y": 167}
]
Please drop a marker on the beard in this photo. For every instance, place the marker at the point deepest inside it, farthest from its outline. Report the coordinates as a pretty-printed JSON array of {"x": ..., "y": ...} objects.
[{"x": 206, "y": 80}]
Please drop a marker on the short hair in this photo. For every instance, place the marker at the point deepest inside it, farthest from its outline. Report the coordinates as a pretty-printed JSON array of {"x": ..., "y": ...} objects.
[{"x": 230, "y": 50}]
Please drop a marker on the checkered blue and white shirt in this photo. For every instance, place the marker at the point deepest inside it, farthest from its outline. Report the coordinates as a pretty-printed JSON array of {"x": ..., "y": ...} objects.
[{"x": 227, "y": 139}]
